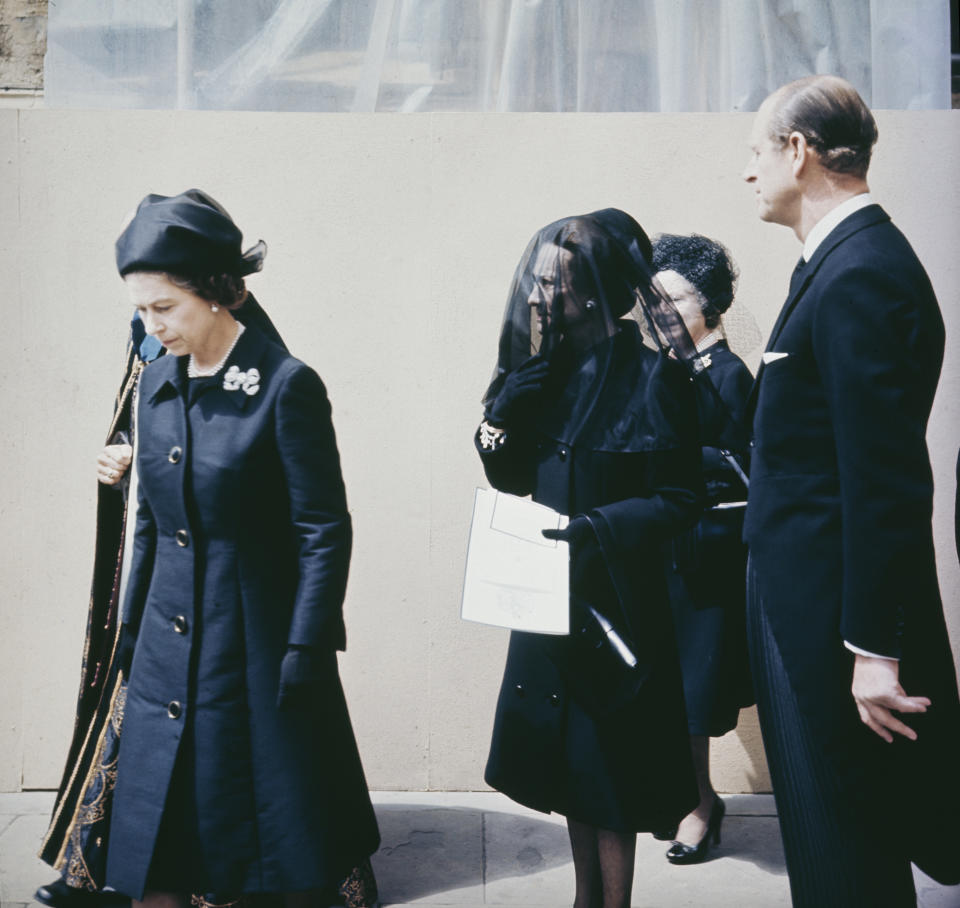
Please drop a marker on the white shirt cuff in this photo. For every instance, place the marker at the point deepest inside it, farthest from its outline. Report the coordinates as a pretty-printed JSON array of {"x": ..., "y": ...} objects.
[{"x": 863, "y": 652}]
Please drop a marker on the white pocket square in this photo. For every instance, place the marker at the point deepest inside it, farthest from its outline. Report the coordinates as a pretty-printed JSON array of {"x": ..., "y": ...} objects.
[{"x": 771, "y": 357}]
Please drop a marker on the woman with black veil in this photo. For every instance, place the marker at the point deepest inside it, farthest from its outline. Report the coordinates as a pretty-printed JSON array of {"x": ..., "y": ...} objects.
[{"x": 586, "y": 419}]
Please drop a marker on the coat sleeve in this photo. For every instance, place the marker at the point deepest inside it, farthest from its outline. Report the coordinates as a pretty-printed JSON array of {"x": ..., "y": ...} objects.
[
  {"x": 878, "y": 343},
  {"x": 509, "y": 467},
  {"x": 673, "y": 473},
  {"x": 318, "y": 510}
]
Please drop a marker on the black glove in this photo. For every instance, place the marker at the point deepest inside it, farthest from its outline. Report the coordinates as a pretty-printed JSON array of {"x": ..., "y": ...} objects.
[
  {"x": 302, "y": 669},
  {"x": 524, "y": 382},
  {"x": 584, "y": 548},
  {"x": 576, "y": 532},
  {"x": 125, "y": 646}
]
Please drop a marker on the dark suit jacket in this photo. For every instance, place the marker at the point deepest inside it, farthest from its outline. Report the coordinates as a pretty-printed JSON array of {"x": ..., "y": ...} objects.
[{"x": 839, "y": 515}]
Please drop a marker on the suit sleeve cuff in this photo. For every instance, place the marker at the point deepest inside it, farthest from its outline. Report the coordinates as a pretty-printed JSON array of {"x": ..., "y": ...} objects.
[{"x": 863, "y": 652}]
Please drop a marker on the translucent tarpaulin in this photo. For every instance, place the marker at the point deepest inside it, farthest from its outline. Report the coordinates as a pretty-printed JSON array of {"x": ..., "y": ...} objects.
[{"x": 489, "y": 55}]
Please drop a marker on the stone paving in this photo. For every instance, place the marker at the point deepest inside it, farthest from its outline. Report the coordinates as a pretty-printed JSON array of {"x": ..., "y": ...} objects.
[{"x": 468, "y": 849}]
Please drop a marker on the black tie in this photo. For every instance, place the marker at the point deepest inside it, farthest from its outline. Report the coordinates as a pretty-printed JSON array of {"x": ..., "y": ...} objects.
[{"x": 797, "y": 275}]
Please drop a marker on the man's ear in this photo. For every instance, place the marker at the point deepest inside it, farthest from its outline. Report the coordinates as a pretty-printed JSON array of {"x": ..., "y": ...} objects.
[{"x": 799, "y": 152}]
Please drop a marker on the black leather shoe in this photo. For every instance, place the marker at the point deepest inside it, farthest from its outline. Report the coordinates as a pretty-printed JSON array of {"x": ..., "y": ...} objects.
[
  {"x": 665, "y": 835},
  {"x": 679, "y": 853},
  {"x": 59, "y": 895}
]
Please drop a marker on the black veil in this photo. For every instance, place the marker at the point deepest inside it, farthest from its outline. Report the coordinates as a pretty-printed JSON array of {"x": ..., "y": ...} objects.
[
  {"x": 552, "y": 273},
  {"x": 252, "y": 314},
  {"x": 591, "y": 271}
]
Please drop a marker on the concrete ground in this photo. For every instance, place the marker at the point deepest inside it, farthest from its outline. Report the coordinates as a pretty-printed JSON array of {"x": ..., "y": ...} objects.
[{"x": 479, "y": 848}]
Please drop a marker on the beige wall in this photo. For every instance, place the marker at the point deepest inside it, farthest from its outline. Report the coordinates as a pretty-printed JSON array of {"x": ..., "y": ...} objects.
[{"x": 392, "y": 241}]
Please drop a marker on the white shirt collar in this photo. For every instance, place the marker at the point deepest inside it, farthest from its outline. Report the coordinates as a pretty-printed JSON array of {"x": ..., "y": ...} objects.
[{"x": 823, "y": 228}]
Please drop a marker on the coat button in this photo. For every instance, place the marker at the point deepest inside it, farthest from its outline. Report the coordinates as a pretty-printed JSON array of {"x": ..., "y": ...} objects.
[
  {"x": 175, "y": 454},
  {"x": 180, "y": 624},
  {"x": 183, "y": 538},
  {"x": 554, "y": 699},
  {"x": 519, "y": 691},
  {"x": 562, "y": 453},
  {"x": 174, "y": 709}
]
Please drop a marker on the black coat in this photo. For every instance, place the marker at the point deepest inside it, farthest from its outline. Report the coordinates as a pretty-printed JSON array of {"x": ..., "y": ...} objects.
[
  {"x": 556, "y": 746},
  {"x": 241, "y": 549},
  {"x": 707, "y": 566},
  {"x": 839, "y": 520}
]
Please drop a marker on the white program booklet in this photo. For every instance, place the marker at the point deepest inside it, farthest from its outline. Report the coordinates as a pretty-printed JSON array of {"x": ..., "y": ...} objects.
[{"x": 514, "y": 576}]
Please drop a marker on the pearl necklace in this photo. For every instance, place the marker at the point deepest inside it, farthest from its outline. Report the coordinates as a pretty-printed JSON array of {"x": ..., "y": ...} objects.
[{"x": 194, "y": 372}]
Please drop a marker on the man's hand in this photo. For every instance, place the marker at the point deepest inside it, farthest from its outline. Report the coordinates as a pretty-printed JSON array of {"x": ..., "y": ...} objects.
[{"x": 876, "y": 689}]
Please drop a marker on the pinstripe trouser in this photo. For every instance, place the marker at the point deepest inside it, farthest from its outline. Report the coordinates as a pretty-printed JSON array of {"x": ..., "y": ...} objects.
[{"x": 835, "y": 856}]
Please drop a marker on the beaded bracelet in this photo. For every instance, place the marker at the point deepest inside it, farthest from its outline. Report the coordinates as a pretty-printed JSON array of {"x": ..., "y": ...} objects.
[{"x": 491, "y": 437}]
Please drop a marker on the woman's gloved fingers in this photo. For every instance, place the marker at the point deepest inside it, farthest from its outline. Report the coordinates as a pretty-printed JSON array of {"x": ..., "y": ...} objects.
[
  {"x": 563, "y": 535},
  {"x": 576, "y": 531},
  {"x": 525, "y": 380}
]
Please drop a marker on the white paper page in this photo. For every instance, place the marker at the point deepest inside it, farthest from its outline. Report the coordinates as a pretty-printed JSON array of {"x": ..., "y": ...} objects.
[{"x": 514, "y": 577}]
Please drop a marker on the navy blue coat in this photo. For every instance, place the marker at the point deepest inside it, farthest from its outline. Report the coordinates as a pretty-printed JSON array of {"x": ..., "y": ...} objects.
[
  {"x": 839, "y": 521},
  {"x": 242, "y": 547}
]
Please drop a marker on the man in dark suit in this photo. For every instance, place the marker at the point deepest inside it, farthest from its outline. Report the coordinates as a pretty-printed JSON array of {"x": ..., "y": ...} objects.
[{"x": 855, "y": 679}]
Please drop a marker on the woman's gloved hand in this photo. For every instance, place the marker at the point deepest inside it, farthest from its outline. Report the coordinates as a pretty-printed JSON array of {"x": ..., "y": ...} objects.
[
  {"x": 584, "y": 548},
  {"x": 576, "y": 532},
  {"x": 302, "y": 669},
  {"x": 520, "y": 385}
]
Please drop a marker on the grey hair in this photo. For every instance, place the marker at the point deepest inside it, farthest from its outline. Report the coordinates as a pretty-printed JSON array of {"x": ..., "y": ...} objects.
[{"x": 830, "y": 114}]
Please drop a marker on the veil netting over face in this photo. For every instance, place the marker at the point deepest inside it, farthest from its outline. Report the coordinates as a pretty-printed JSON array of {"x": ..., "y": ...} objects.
[{"x": 579, "y": 281}]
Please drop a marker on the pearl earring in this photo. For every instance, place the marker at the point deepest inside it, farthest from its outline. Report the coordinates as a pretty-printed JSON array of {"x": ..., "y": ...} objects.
[{"x": 214, "y": 308}]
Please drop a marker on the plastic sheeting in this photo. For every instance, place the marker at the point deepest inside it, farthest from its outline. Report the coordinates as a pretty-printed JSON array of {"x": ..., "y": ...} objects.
[{"x": 489, "y": 55}]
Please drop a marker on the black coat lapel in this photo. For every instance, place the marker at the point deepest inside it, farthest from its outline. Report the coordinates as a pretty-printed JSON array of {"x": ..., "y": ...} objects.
[{"x": 865, "y": 217}]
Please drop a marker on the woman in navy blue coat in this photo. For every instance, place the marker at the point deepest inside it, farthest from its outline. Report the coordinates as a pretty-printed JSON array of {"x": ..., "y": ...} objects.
[{"x": 238, "y": 772}]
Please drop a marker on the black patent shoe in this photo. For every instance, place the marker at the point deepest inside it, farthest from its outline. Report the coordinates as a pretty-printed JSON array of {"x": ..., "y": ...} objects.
[
  {"x": 59, "y": 895},
  {"x": 679, "y": 853},
  {"x": 665, "y": 835}
]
